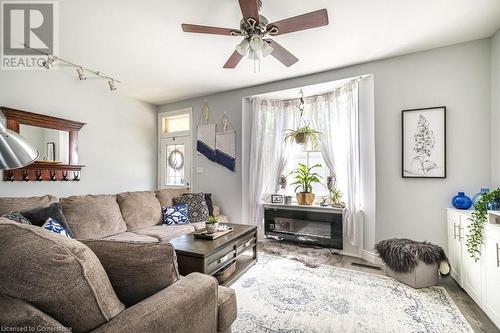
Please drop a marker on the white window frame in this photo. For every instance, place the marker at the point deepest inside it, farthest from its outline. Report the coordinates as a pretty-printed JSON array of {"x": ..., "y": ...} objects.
[{"x": 161, "y": 136}]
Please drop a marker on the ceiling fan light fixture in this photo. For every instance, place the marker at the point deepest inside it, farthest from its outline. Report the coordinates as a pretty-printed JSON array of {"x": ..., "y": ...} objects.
[
  {"x": 267, "y": 49},
  {"x": 256, "y": 43},
  {"x": 243, "y": 47}
]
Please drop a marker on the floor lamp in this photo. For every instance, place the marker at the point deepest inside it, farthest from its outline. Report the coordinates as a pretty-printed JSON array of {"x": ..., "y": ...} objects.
[{"x": 15, "y": 151}]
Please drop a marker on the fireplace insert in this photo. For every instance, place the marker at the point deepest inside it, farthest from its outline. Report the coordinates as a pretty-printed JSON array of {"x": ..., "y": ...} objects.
[{"x": 304, "y": 224}]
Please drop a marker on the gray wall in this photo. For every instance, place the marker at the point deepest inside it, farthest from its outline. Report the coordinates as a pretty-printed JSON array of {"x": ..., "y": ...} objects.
[
  {"x": 495, "y": 109},
  {"x": 117, "y": 146},
  {"x": 457, "y": 76}
]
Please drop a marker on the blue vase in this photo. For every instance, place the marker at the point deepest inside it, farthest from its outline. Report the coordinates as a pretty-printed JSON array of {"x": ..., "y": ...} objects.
[
  {"x": 494, "y": 205},
  {"x": 479, "y": 195},
  {"x": 461, "y": 201}
]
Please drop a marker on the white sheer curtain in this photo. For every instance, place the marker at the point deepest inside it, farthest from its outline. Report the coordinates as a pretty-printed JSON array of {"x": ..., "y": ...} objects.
[
  {"x": 268, "y": 153},
  {"x": 336, "y": 116}
]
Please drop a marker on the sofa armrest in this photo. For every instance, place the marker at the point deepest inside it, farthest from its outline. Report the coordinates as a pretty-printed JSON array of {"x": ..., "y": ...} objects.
[
  {"x": 136, "y": 270},
  {"x": 18, "y": 314},
  {"x": 216, "y": 211},
  {"x": 187, "y": 306}
]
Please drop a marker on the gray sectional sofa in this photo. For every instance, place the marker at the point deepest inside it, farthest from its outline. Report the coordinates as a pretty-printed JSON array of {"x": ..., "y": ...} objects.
[{"x": 118, "y": 273}]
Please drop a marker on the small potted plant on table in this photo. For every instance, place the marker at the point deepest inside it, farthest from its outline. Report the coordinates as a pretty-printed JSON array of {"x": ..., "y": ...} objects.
[
  {"x": 304, "y": 178},
  {"x": 212, "y": 224}
]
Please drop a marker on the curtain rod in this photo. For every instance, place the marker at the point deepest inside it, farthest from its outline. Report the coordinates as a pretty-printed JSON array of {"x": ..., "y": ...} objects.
[{"x": 359, "y": 78}]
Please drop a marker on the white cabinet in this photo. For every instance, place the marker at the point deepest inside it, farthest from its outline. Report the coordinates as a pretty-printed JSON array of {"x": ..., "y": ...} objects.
[
  {"x": 492, "y": 274},
  {"x": 481, "y": 279}
]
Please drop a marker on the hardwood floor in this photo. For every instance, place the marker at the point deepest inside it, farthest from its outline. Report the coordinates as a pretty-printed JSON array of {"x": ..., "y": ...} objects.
[{"x": 470, "y": 310}]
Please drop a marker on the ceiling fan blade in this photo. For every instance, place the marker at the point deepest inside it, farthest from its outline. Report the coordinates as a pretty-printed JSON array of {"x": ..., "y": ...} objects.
[
  {"x": 203, "y": 29},
  {"x": 250, "y": 9},
  {"x": 302, "y": 22},
  {"x": 233, "y": 60},
  {"x": 280, "y": 53}
]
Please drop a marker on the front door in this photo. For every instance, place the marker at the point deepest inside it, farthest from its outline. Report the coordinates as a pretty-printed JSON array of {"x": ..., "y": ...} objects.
[{"x": 175, "y": 162}]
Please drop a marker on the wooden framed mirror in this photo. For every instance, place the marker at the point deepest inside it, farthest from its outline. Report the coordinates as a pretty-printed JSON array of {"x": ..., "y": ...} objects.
[{"x": 56, "y": 140}]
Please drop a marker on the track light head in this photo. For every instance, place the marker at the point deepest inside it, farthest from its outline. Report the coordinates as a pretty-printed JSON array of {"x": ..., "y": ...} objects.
[
  {"x": 112, "y": 85},
  {"x": 81, "y": 74},
  {"x": 49, "y": 62}
]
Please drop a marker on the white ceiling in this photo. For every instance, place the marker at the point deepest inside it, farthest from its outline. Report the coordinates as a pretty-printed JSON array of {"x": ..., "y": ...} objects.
[{"x": 142, "y": 44}]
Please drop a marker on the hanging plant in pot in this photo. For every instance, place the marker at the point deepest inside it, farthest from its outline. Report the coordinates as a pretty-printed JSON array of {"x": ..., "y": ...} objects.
[
  {"x": 304, "y": 178},
  {"x": 303, "y": 135}
]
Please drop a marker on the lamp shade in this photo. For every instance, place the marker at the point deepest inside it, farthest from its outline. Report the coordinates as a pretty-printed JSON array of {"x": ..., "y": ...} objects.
[{"x": 15, "y": 151}]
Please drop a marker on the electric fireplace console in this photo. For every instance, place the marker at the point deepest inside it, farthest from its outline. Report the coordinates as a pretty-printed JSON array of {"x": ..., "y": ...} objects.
[{"x": 313, "y": 225}]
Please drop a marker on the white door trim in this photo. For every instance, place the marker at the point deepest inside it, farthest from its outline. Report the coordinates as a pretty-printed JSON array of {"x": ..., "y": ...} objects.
[{"x": 160, "y": 135}]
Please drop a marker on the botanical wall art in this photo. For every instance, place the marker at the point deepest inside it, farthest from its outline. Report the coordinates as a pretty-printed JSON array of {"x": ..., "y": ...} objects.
[{"x": 424, "y": 143}]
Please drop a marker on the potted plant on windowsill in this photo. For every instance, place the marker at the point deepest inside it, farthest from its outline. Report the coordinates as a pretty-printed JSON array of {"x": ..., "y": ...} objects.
[
  {"x": 304, "y": 178},
  {"x": 212, "y": 225}
]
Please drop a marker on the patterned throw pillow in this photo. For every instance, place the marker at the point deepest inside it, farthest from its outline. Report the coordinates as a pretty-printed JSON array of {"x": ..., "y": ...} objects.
[
  {"x": 17, "y": 217},
  {"x": 175, "y": 215},
  {"x": 208, "y": 199},
  {"x": 56, "y": 227},
  {"x": 197, "y": 206}
]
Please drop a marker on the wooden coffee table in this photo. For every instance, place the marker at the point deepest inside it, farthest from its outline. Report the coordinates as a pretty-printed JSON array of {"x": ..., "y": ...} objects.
[{"x": 210, "y": 256}]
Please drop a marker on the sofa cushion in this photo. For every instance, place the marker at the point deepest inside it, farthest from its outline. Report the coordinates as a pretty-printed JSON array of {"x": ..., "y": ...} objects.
[
  {"x": 38, "y": 216},
  {"x": 197, "y": 206},
  {"x": 228, "y": 308},
  {"x": 136, "y": 270},
  {"x": 18, "y": 313},
  {"x": 8, "y": 205},
  {"x": 58, "y": 275},
  {"x": 166, "y": 196},
  {"x": 139, "y": 209},
  {"x": 93, "y": 216},
  {"x": 131, "y": 237},
  {"x": 166, "y": 232}
]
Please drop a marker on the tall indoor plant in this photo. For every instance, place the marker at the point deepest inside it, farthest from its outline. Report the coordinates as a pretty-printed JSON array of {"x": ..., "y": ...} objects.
[{"x": 304, "y": 178}]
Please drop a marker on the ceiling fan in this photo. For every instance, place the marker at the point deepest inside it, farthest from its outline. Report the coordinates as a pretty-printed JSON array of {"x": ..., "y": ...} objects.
[{"x": 255, "y": 28}]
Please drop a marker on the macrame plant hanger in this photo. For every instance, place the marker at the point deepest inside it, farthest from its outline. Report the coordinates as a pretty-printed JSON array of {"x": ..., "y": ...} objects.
[
  {"x": 225, "y": 144},
  {"x": 205, "y": 143}
]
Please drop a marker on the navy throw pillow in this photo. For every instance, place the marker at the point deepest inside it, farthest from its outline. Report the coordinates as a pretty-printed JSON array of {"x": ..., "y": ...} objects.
[
  {"x": 38, "y": 216},
  {"x": 175, "y": 215}
]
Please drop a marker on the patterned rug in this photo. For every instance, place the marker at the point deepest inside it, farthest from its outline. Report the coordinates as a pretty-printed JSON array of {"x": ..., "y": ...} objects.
[{"x": 282, "y": 295}]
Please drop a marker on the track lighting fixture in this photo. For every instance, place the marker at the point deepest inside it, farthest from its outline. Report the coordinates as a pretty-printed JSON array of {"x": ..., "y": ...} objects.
[
  {"x": 80, "y": 70},
  {"x": 81, "y": 74},
  {"x": 112, "y": 85}
]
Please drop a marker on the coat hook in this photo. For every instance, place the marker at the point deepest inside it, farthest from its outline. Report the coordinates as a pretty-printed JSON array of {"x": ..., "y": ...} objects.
[
  {"x": 76, "y": 176},
  {"x": 39, "y": 176},
  {"x": 53, "y": 175},
  {"x": 26, "y": 175},
  {"x": 65, "y": 175},
  {"x": 10, "y": 176}
]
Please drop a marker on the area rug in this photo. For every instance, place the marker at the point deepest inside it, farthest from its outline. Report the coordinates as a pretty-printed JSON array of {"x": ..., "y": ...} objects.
[{"x": 282, "y": 295}]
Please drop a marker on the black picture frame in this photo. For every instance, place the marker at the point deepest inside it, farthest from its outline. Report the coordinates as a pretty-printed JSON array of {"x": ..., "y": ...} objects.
[
  {"x": 277, "y": 199},
  {"x": 433, "y": 169}
]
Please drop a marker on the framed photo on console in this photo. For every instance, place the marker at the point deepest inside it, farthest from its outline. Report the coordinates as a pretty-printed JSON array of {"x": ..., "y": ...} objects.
[
  {"x": 424, "y": 143},
  {"x": 276, "y": 198}
]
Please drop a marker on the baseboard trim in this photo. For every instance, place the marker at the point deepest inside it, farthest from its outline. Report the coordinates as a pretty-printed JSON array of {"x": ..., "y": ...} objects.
[{"x": 371, "y": 257}]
